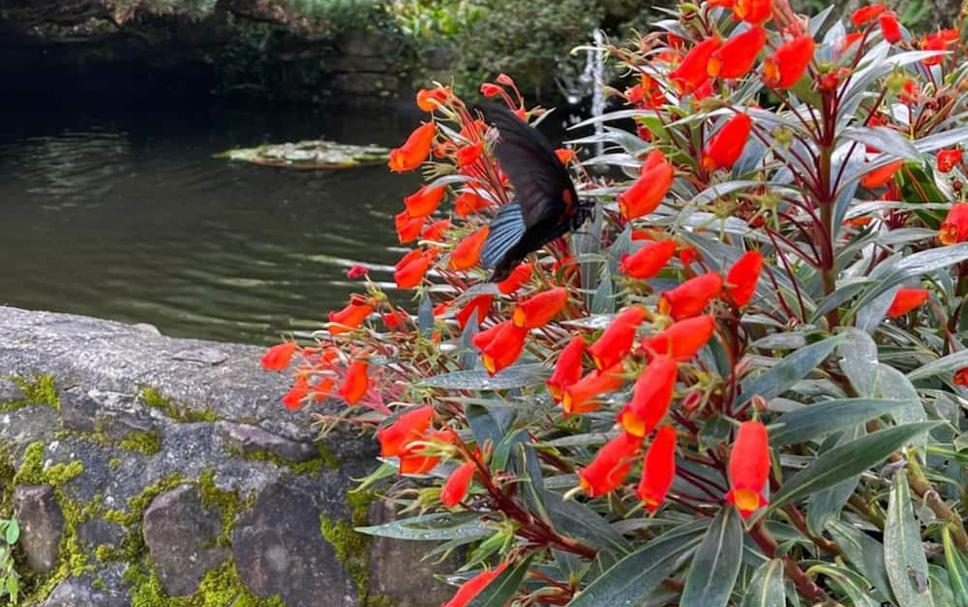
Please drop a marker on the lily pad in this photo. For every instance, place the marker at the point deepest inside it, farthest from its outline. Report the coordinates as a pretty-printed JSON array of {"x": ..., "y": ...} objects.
[{"x": 315, "y": 154}]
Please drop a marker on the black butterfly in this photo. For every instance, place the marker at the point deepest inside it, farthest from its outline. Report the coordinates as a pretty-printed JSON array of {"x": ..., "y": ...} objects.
[{"x": 545, "y": 205}]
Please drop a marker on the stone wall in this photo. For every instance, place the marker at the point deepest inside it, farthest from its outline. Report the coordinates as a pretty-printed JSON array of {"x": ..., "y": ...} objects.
[{"x": 152, "y": 471}]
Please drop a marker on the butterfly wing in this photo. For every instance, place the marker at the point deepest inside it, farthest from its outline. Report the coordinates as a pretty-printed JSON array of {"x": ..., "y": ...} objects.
[
  {"x": 506, "y": 230},
  {"x": 541, "y": 183}
]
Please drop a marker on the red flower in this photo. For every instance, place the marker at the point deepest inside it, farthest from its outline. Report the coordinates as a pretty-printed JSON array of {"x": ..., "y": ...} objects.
[
  {"x": 408, "y": 228},
  {"x": 727, "y": 144},
  {"x": 396, "y": 319},
  {"x": 468, "y": 203},
  {"x": 437, "y": 230},
  {"x": 350, "y": 317},
  {"x": 413, "y": 460},
  {"x": 960, "y": 378},
  {"x": 481, "y": 304},
  {"x": 880, "y": 176},
  {"x": 410, "y": 275},
  {"x": 647, "y": 261},
  {"x": 682, "y": 340},
  {"x": 568, "y": 368},
  {"x": 490, "y": 90},
  {"x": 949, "y": 159},
  {"x": 472, "y": 587},
  {"x": 648, "y": 191},
  {"x": 753, "y": 11},
  {"x": 742, "y": 277},
  {"x": 414, "y": 150},
  {"x": 424, "y": 201},
  {"x": 955, "y": 226},
  {"x": 735, "y": 58},
  {"x": 565, "y": 155},
  {"x": 505, "y": 347},
  {"x": 323, "y": 389},
  {"x": 582, "y": 396},
  {"x": 691, "y": 72},
  {"x": 866, "y": 14},
  {"x": 293, "y": 399},
  {"x": 407, "y": 428},
  {"x": 784, "y": 67},
  {"x": 650, "y": 397},
  {"x": 457, "y": 483},
  {"x": 355, "y": 383},
  {"x": 616, "y": 341},
  {"x": 278, "y": 356},
  {"x": 890, "y": 28},
  {"x": 468, "y": 251},
  {"x": 938, "y": 41},
  {"x": 356, "y": 271},
  {"x": 469, "y": 154},
  {"x": 658, "y": 469},
  {"x": 906, "y": 300},
  {"x": 611, "y": 465},
  {"x": 749, "y": 467},
  {"x": 430, "y": 99},
  {"x": 538, "y": 310},
  {"x": 691, "y": 297},
  {"x": 518, "y": 277}
]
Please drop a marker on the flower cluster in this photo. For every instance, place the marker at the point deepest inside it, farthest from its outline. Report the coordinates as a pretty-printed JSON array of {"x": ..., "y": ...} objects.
[{"x": 767, "y": 305}]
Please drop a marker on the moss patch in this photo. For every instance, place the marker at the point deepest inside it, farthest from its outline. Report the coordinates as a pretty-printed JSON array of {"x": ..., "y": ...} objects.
[
  {"x": 352, "y": 549},
  {"x": 38, "y": 390},
  {"x": 311, "y": 467},
  {"x": 156, "y": 400},
  {"x": 229, "y": 504},
  {"x": 220, "y": 587},
  {"x": 32, "y": 472},
  {"x": 148, "y": 443}
]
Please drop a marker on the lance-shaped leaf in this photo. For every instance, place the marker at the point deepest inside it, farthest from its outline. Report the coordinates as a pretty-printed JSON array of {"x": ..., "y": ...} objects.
[
  {"x": 789, "y": 370},
  {"x": 503, "y": 587},
  {"x": 820, "y": 419},
  {"x": 825, "y": 505},
  {"x": 518, "y": 376},
  {"x": 942, "y": 366},
  {"x": 957, "y": 570},
  {"x": 864, "y": 553},
  {"x": 766, "y": 589},
  {"x": 907, "y": 567},
  {"x": 859, "y": 360},
  {"x": 852, "y": 584},
  {"x": 716, "y": 563},
  {"x": 580, "y": 522},
  {"x": 430, "y": 527},
  {"x": 844, "y": 461}
]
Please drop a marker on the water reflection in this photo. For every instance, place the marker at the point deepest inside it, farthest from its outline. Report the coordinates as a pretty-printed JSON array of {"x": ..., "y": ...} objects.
[{"x": 125, "y": 215}]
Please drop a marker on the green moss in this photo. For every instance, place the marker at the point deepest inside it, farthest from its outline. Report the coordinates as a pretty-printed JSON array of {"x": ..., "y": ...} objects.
[
  {"x": 352, "y": 549},
  {"x": 38, "y": 390},
  {"x": 105, "y": 552},
  {"x": 219, "y": 588},
  {"x": 114, "y": 462},
  {"x": 148, "y": 443},
  {"x": 156, "y": 400},
  {"x": 229, "y": 504},
  {"x": 311, "y": 467},
  {"x": 379, "y": 600}
]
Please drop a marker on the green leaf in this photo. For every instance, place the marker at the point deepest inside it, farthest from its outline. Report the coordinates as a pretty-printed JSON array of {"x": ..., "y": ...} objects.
[
  {"x": 789, "y": 370},
  {"x": 896, "y": 271},
  {"x": 891, "y": 383},
  {"x": 425, "y": 315},
  {"x": 603, "y": 301},
  {"x": 503, "y": 587},
  {"x": 885, "y": 139},
  {"x": 907, "y": 567},
  {"x": 636, "y": 576},
  {"x": 766, "y": 589},
  {"x": 957, "y": 569},
  {"x": 863, "y": 552},
  {"x": 518, "y": 376},
  {"x": 716, "y": 563},
  {"x": 944, "y": 365},
  {"x": 853, "y": 585},
  {"x": 12, "y": 532},
  {"x": 826, "y": 504},
  {"x": 819, "y": 419},
  {"x": 844, "y": 461},
  {"x": 582, "y": 523},
  {"x": 430, "y": 527}
]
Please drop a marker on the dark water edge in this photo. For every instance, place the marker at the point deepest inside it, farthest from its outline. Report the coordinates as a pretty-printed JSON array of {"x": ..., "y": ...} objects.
[{"x": 118, "y": 210}]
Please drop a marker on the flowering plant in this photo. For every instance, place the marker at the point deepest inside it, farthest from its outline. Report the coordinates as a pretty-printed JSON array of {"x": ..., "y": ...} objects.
[{"x": 741, "y": 382}]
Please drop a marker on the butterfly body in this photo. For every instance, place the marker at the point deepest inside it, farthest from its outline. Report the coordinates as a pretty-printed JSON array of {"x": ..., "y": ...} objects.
[{"x": 545, "y": 207}]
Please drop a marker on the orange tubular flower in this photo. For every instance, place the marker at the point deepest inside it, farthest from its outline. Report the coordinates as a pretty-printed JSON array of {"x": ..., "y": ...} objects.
[
  {"x": 408, "y": 228},
  {"x": 407, "y": 428},
  {"x": 616, "y": 341},
  {"x": 690, "y": 74},
  {"x": 784, "y": 67},
  {"x": 879, "y": 177},
  {"x": 753, "y": 11},
  {"x": 720, "y": 3},
  {"x": 457, "y": 483},
  {"x": 414, "y": 461},
  {"x": 410, "y": 275},
  {"x": 949, "y": 159},
  {"x": 350, "y": 317},
  {"x": 323, "y": 389},
  {"x": 518, "y": 277},
  {"x": 890, "y": 28},
  {"x": 481, "y": 304},
  {"x": 565, "y": 155},
  {"x": 355, "y": 383},
  {"x": 684, "y": 339},
  {"x": 424, "y": 201},
  {"x": 567, "y": 369},
  {"x": 469, "y": 154},
  {"x": 611, "y": 465},
  {"x": 537, "y": 311},
  {"x": 960, "y": 378},
  {"x": 472, "y": 587},
  {"x": 437, "y": 230},
  {"x": 955, "y": 226},
  {"x": 749, "y": 467},
  {"x": 691, "y": 297},
  {"x": 727, "y": 144},
  {"x": 293, "y": 399},
  {"x": 735, "y": 58},
  {"x": 429, "y": 100},
  {"x": 906, "y": 300},
  {"x": 742, "y": 277},
  {"x": 649, "y": 260},
  {"x": 468, "y": 251},
  {"x": 658, "y": 469},
  {"x": 504, "y": 348},
  {"x": 468, "y": 203},
  {"x": 650, "y": 398},
  {"x": 648, "y": 191},
  {"x": 490, "y": 90},
  {"x": 582, "y": 396},
  {"x": 866, "y": 14},
  {"x": 414, "y": 151},
  {"x": 278, "y": 356}
]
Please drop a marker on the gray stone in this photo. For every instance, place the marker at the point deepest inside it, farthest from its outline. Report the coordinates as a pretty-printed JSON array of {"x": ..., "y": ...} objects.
[
  {"x": 279, "y": 548},
  {"x": 248, "y": 439},
  {"x": 97, "y": 532},
  {"x": 9, "y": 391},
  {"x": 181, "y": 534},
  {"x": 205, "y": 356},
  {"x": 102, "y": 589},
  {"x": 78, "y": 410},
  {"x": 41, "y": 525}
]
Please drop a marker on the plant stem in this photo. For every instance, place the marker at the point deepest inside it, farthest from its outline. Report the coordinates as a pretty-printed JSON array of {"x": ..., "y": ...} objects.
[{"x": 804, "y": 584}]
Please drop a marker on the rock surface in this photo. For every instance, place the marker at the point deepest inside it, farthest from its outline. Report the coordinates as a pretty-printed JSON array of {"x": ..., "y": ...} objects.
[{"x": 150, "y": 467}]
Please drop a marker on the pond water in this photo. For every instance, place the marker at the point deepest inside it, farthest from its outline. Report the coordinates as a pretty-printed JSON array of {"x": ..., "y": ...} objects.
[{"x": 123, "y": 213}]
